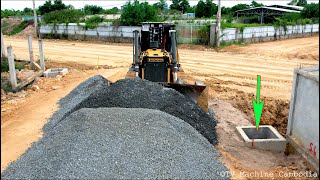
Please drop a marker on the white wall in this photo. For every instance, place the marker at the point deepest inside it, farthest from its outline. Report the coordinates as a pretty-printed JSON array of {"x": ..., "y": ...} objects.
[
  {"x": 230, "y": 34},
  {"x": 104, "y": 30}
]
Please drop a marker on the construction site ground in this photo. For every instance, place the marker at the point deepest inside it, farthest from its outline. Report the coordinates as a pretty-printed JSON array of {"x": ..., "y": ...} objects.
[{"x": 230, "y": 73}]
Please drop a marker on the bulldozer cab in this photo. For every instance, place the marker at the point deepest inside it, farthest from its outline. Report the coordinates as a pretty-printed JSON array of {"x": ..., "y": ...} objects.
[{"x": 156, "y": 35}]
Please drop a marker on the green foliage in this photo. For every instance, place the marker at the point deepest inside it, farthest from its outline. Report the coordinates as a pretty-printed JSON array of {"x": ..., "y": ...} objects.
[
  {"x": 311, "y": 11},
  {"x": 293, "y": 17},
  {"x": 161, "y": 5},
  {"x": 17, "y": 28},
  {"x": 63, "y": 16},
  {"x": 281, "y": 23},
  {"x": 302, "y": 3},
  {"x": 225, "y": 10},
  {"x": 211, "y": 8},
  {"x": 227, "y": 18},
  {"x": 204, "y": 34},
  {"x": 200, "y": 9},
  {"x": 5, "y": 65},
  {"x": 93, "y": 22},
  {"x": 180, "y": 5},
  {"x": 27, "y": 11},
  {"x": 298, "y": 2},
  {"x": 239, "y": 25},
  {"x": 174, "y": 11},
  {"x": 93, "y": 9},
  {"x": 48, "y": 6},
  {"x": 136, "y": 12},
  {"x": 290, "y": 19},
  {"x": 206, "y": 9},
  {"x": 255, "y": 4},
  {"x": 113, "y": 10},
  {"x": 238, "y": 7},
  {"x": 17, "y": 13}
]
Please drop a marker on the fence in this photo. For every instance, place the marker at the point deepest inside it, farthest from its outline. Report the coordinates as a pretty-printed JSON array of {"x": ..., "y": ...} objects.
[{"x": 189, "y": 34}]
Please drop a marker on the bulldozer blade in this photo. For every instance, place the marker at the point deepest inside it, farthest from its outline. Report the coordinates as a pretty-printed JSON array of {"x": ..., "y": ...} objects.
[{"x": 197, "y": 93}]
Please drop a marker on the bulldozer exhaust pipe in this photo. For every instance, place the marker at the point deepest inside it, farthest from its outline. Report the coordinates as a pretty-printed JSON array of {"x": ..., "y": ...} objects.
[
  {"x": 136, "y": 52},
  {"x": 174, "y": 54}
]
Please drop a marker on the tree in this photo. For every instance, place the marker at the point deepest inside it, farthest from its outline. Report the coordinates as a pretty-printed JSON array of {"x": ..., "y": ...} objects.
[
  {"x": 225, "y": 10},
  {"x": 48, "y": 6},
  {"x": 93, "y": 9},
  {"x": 161, "y": 5},
  {"x": 27, "y": 10},
  {"x": 210, "y": 9},
  {"x": 302, "y": 3},
  {"x": 136, "y": 12},
  {"x": 200, "y": 9},
  {"x": 239, "y": 7},
  {"x": 180, "y": 5},
  {"x": 298, "y": 2},
  {"x": 113, "y": 10},
  {"x": 255, "y": 4},
  {"x": 311, "y": 11},
  {"x": 191, "y": 9},
  {"x": 63, "y": 16}
]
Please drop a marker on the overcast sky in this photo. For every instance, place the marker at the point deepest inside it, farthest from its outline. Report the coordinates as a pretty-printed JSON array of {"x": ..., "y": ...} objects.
[{"x": 107, "y": 4}]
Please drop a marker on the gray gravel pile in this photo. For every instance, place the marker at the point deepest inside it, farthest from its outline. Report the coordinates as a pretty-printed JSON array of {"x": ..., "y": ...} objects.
[
  {"x": 69, "y": 103},
  {"x": 137, "y": 93},
  {"x": 108, "y": 143}
]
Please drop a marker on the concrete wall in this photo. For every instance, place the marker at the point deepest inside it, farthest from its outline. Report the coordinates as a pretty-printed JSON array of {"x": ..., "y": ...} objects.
[
  {"x": 264, "y": 33},
  {"x": 187, "y": 33},
  {"x": 105, "y": 16},
  {"x": 104, "y": 32},
  {"x": 303, "y": 124}
]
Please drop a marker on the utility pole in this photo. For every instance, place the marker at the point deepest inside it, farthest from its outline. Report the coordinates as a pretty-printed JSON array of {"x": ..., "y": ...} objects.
[
  {"x": 35, "y": 18},
  {"x": 218, "y": 24}
]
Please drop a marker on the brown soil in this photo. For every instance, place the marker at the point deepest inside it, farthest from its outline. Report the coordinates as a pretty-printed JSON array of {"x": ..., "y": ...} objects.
[
  {"x": 29, "y": 30},
  {"x": 275, "y": 111},
  {"x": 246, "y": 162}
]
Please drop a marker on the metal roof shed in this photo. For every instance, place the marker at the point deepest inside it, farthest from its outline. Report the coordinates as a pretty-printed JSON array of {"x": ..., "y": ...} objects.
[
  {"x": 265, "y": 11},
  {"x": 290, "y": 7}
]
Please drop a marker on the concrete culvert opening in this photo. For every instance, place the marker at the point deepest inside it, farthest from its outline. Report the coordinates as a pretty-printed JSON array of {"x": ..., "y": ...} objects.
[{"x": 261, "y": 133}]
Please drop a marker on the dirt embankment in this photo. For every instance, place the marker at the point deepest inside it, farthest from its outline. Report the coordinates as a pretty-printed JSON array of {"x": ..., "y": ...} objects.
[{"x": 275, "y": 111}]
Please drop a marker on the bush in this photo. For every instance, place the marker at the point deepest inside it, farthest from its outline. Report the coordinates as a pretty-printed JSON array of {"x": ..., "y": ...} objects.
[
  {"x": 136, "y": 12},
  {"x": 93, "y": 22},
  {"x": 204, "y": 34},
  {"x": 310, "y": 11},
  {"x": 63, "y": 16},
  {"x": 5, "y": 65},
  {"x": 93, "y": 9}
]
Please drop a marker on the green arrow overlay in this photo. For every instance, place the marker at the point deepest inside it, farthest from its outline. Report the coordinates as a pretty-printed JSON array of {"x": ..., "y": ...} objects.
[{"x": 257, "y": 105}]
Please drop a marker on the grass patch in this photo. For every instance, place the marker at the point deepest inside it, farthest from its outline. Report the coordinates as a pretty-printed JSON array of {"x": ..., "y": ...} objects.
[
  {"x": 5, "y": 65},
  {"x": 240, "y": 25},
  {"x": 225, "y": 44}
]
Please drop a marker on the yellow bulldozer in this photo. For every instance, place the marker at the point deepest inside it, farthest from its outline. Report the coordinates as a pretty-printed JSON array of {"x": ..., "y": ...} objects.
[{"x": 156, "y": 58}]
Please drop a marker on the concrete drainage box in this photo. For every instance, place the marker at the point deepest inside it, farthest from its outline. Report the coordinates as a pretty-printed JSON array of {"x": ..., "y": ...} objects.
[
  {"x": 55, "y": 71},
  {"x": 303, "y": 122},
  {"x": 266, "y": 138}
]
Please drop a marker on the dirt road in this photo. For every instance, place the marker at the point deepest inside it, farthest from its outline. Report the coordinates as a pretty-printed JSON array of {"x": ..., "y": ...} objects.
[{"x": 234, "y": 67}]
